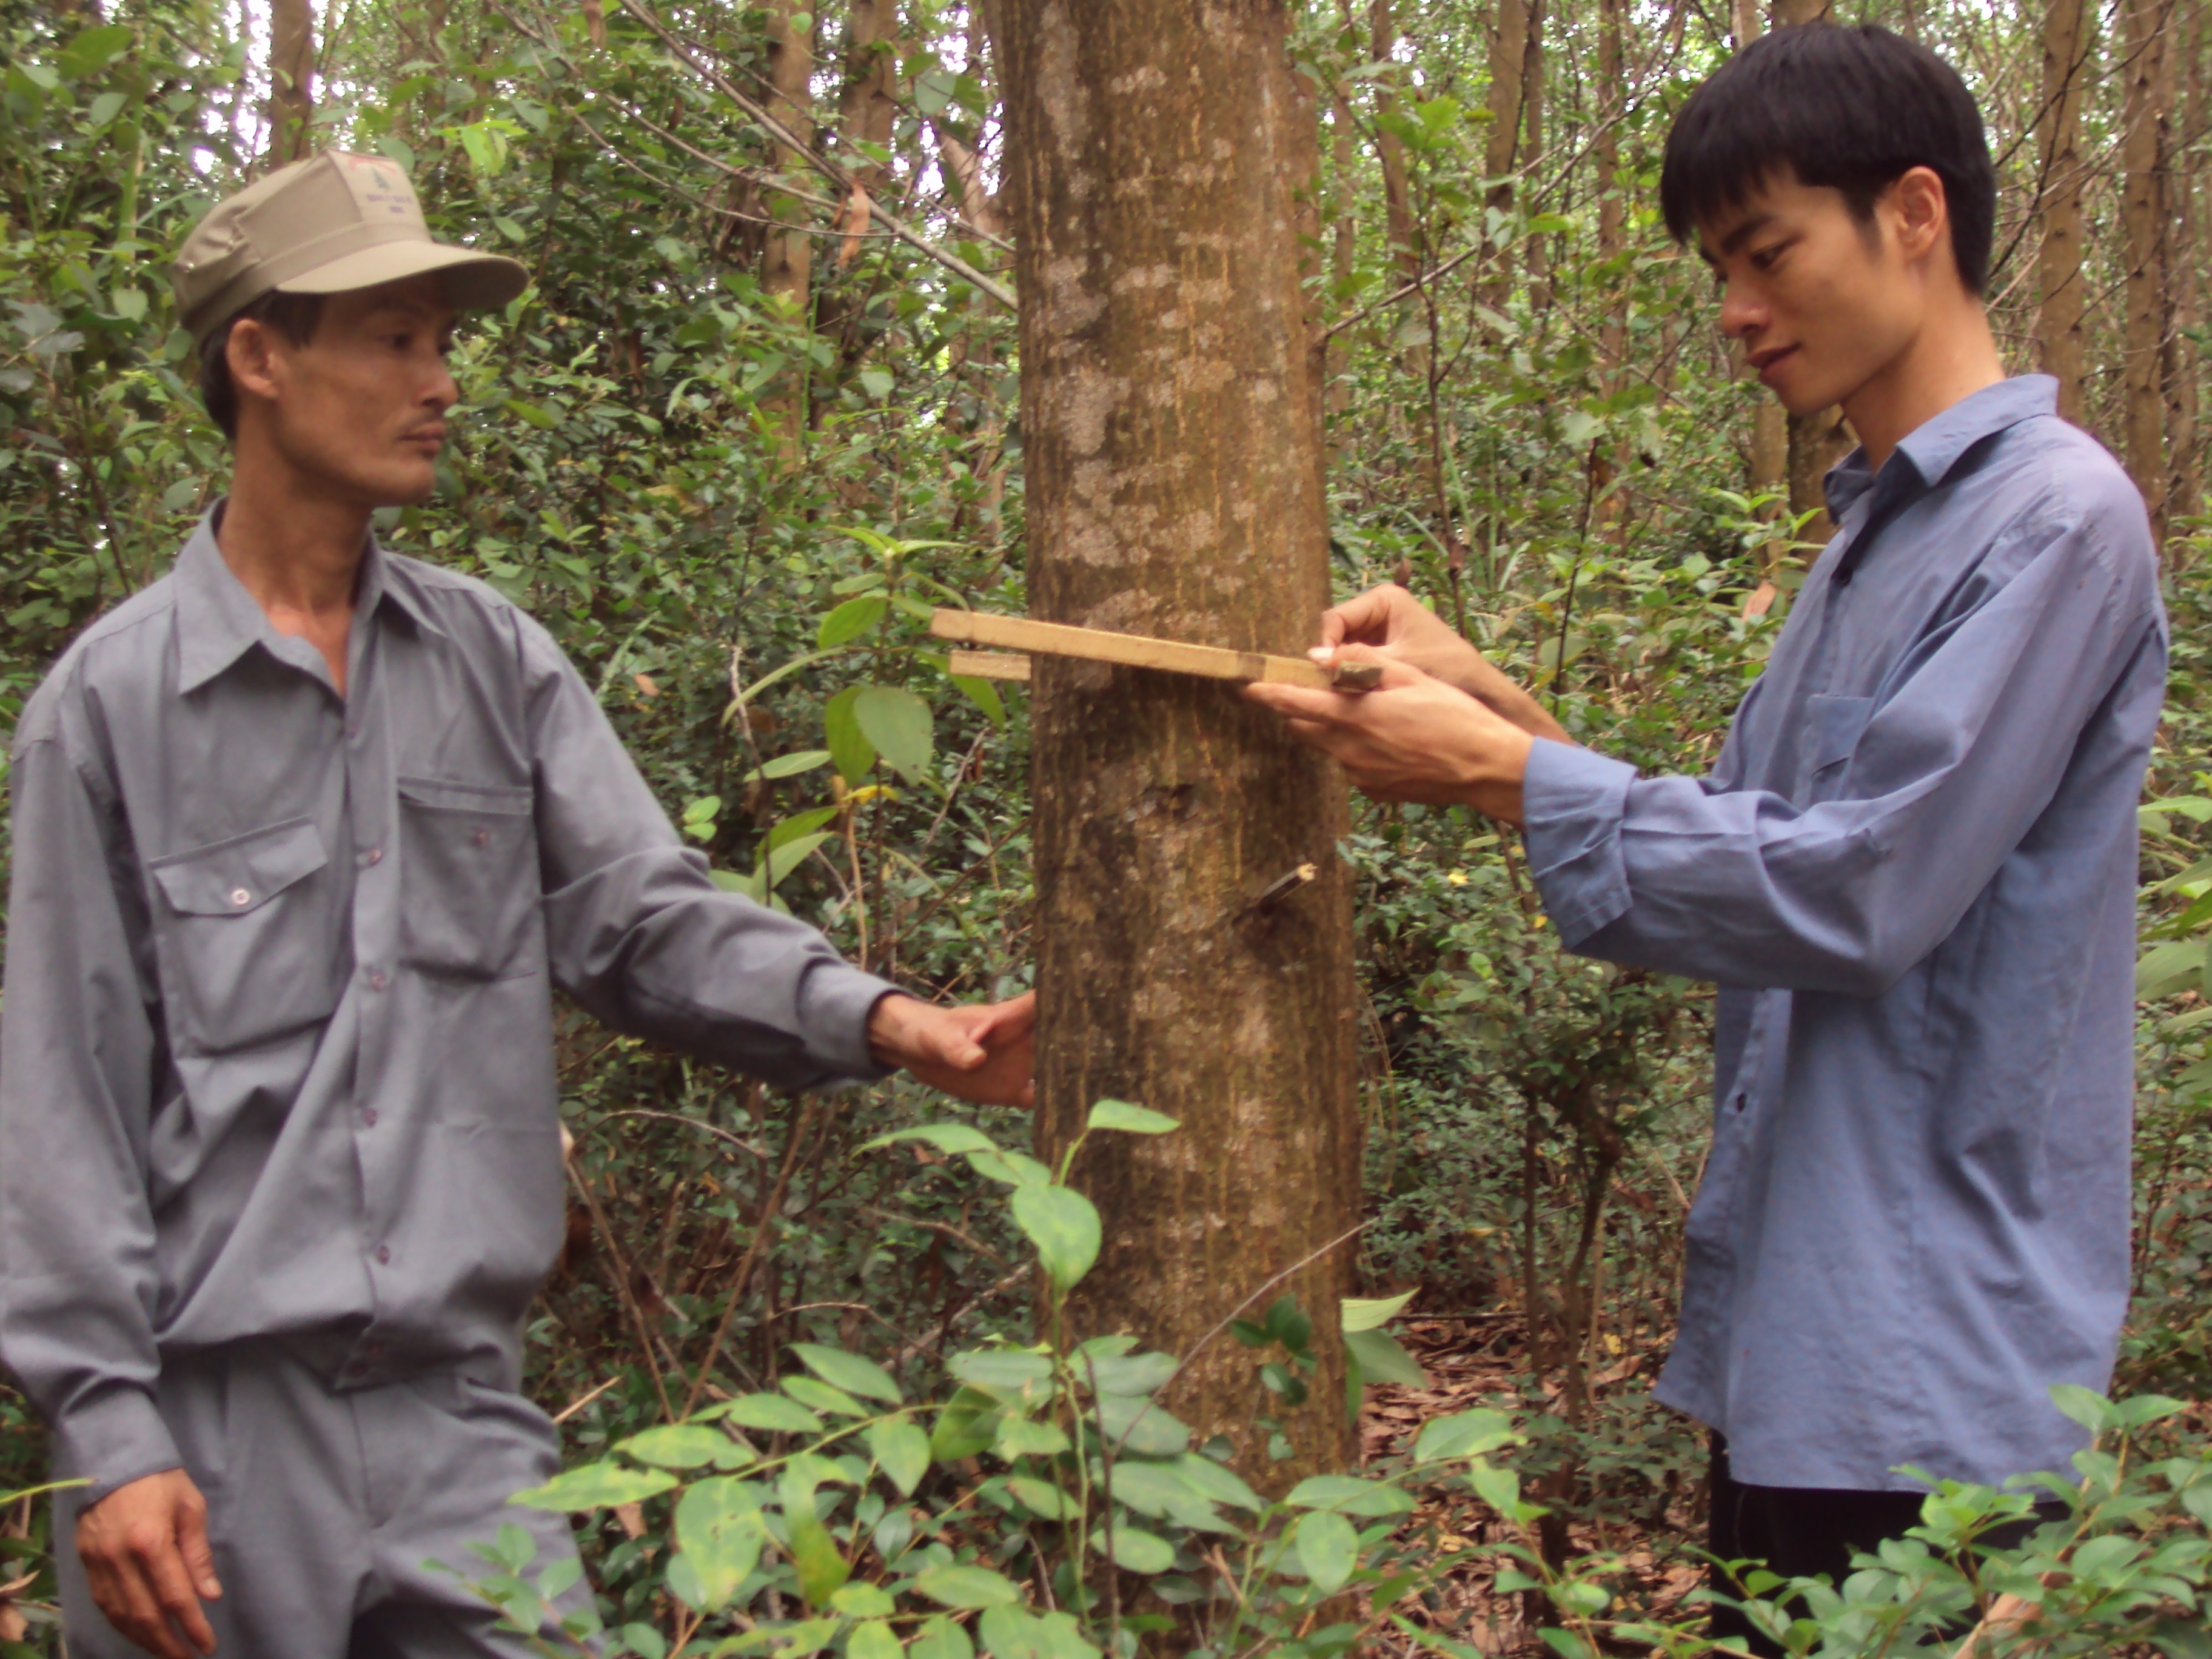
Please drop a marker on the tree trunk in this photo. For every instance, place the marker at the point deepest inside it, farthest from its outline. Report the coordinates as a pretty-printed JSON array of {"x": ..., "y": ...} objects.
[
  {"x": 291, "y": 80},
  {"x": 1172, "y": 488},
  {"x": 787, "y": 256},
  {"x": 2183, "y": 487},
  {"x": 865, "y": 109},
  {"x": 2059, "y": 339},
  {"x": 1532, "y": 156},
  {"x": 2142, "y": 211},
  {"x": 1611, "y": 237},
  {"x": 1508, "y": 60},
  {"x": 1390, "y": 151}
]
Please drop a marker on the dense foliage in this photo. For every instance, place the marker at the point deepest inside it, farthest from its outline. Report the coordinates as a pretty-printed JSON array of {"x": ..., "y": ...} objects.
[{"x": 731, "y": 499}]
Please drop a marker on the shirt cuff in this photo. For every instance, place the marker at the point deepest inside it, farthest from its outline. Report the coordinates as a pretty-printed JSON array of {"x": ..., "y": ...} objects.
[
  {"x": 1573, "y": 801},
  {"x": 111, "y": 1441},
  {"x": 833, "y": 1011}
]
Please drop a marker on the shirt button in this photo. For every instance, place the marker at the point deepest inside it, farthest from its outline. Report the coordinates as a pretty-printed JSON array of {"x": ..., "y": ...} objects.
[
  {"x": 482, "y": 838},
  {"x": 384, "y": 1254},
  {"x": 368, "y": 1116},
  {"x": 240, "y": 895},
  {"x": 376, "y": 979},
  {"x": 374, "y": 855}
]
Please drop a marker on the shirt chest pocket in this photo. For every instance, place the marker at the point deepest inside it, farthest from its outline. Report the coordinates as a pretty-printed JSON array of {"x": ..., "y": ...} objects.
[
  {"x": 247, "y": 938},
  {"x": 469, "y": 885},
  {"x": 1836, "y": 723}
]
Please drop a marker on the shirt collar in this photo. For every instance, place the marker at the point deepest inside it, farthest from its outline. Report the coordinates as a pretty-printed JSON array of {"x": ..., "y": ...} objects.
[
  {"x": 218, "y": 619},
  {"x": 1931, "y": 449}
]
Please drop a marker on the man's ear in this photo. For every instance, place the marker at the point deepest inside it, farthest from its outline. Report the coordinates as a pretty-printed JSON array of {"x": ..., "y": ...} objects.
[
  {"x": 251, "y": 352},
  {"x": 1919, "y": 213}
]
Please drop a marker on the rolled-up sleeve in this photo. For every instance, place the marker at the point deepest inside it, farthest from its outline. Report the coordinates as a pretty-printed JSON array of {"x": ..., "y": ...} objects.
[
  {"x": 78, "y": 1281},
  {"x": 638, "y": 932},
  {"x": 1745, "y": 888}
]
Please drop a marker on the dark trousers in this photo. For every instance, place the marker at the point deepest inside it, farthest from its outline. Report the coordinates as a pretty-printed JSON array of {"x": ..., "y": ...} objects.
[{"x": 1800, "y": 1531}]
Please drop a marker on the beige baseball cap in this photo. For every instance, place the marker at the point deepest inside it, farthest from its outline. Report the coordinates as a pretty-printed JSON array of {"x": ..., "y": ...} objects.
[{"x": 337, "y": 222}]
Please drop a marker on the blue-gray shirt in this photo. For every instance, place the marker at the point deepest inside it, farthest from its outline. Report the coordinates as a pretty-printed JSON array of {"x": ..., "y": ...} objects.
[
  {"x": 277, "y": 1059},
  {"x": 1912, "y": 872}
]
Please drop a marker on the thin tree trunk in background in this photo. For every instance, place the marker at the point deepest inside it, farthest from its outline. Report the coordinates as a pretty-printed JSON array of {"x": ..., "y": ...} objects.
[
  {"x": 2059, "y": 340},
  {"x": 1509, "y": 58},
  {"x": 1813, "y": 442},
  {"x": 1532, "y": 155},
  {"x": 1172, "y": 485},
  {"x": 291, "y": 80},
  {"x": 868, "y": 101},
  {"x": 1389, "y": 151},
  {"x": 1336, "y": 393},
  {"x": 787, "y": 256},
  {"x": 2178, "y": 369},
  {"x": 1612, "y": 239},
  {"x": 2142, "y": 213}
]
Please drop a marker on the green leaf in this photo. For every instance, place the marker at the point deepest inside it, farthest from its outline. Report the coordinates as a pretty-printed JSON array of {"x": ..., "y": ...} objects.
[
  {"x": 1141, "y": 1373},
  {"x": 790, "y": 766},
  {"x": 1499, "y": 1488},
  {"x": 949, "y": 1138},
  {"x": 2165, "y": 968},
  {"x": 1063, "y": 1224},
  {"x": 1134, "y": 1424},
  {"x": 772, "y": 1413},
  {"x": 849, "y": 1371},
  {"x": 984, "y": 695},
  {"x": 1000, "y": 1371},
  {"x": 1349, "y": 1494},
  {"x": 595, "y": 1487},
  {"x": 873, "y": 1639},
  {"x": 1329, "y": 1549},
  {"x": 1015, "y": 1168},
  {"x": 1288, "y": 1323},
  {"x": 1019, "y": 1437},
  {"x": 966, "y": 1427},
  {"x": 1223, "y": 1486},
  {"x": 1363, "y": 1313},
  {"x": 817, "y": 1396},
  {"x": 544, "y": 419},
  {"x": 2085, "y": 1407},
  {"x": 850, "y": 747},
  {"x": 1043, "y": 1498},
  {"x": 1464, "y": 1434},
  {"x": 876, "y": 383},
  {"x": 1161, "y": 1490},
  {"x": 782, "y": 860},
  {"x": 901, "y": 1451},
  {"x": 850, "y": 620},
  {"x": 1137, "y": 1550},
  {"x": 93, "y": 49},
  {"x": 941, "y": 1638},
  {"x": 822, "y": 1568},
  {"x": 899, "y": 725},
  {"x": 1133, "y": 1120},
  {"x": 864, "y": 1602},
  {"x": 1382, "y": 1359},
  {"x": 967, "y": 1587},
  {"x": 719, "y": 1527},
  {"x": 677, "y": 1446},
  {"x": 104, "y": 108}
]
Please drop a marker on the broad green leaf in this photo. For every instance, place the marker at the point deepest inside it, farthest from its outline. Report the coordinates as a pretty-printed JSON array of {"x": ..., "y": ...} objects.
[
  {"x": 1131, "y": 1374},
  {"x": 1043, "y": 1498},
  {"x": 1223, "y": 1486},
  {"x": 984, "y": 695},
  {"x": 1137, "y": 1550},
  {"x": 129, "y": 302},
  {"x": 544, "y": 419},
  {"x": 2144, "y": 1408},
  {"x": 2085, "y": 1407},
  {"x": 967, "y": 1587},
  {"x": 1464, "y": 1434},
  {"x": 965, "y": 1428},
  {"x": 676, "y": 1445},
  {"x": 1381, "y": 1359},
  {"x": 1000, "y": 1371},
  {"x": 901, "y": 1451},
  {"x": 1015, "y": 1168},
  {"x": 1329, "y": 1549},
  {"x": 898, "y": 724},
  {"x": 1132, "y": 1423},
  {"x": 1363, "y": 1312},
  {"x": 849, "y": 1371},
  {"x": 1161, "y": 1490},
  {"x": 790, "y": 766},
  {"x": 1131, "y": 1119},
  {"x": 941, "y": 1638},
  {"x": 2165, "y": 968},
  {"x": 946, "y": 1137},
  {"x": 1010, "y": 1633},
  {"x": 873, "y": 1639},
  {"x": 1064, "y": 1226},
  {"x": 595, "y": 1487},
  {"x": 814, "y": 1554},
  {"x": 772, "y": 1413},
  {"x": 1348, "y": 1494},
  {"x": 719, "y": 1527},
  {"x": 817, "y": 1396},
  {"x": 1061, "y": 1637},
  {"x": 864, "y": 1602},
  {"x": 1019, "y": 1437},
  {"x": 876, "y": 383},
  {"x": 93, "y": 49},
  {"x": 850, "y": 620},
  {"x": 850, "y": 747},
  {"x": 782, "y": 860},
  {"x": 1499, "y": 1488}
]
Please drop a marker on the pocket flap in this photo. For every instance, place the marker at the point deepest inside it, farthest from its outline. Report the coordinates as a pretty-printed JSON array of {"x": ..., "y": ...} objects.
[
  {"x": 1838, "y": 724},
  {"x": 237, "y": 877},
  {"x": 451, "y": 795}
]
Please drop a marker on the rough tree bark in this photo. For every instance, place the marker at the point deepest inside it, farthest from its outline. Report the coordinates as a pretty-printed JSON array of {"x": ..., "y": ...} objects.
[
  {"x": 1173, "y": 490},
  {"x": 2147, "y": 102},
  {"x": 2178, "y": 368},
  {"x": 1612, "y": 238},
  {"x": 2060, "y": 343},
  {"x": 866, "y": 105},
  {"x": 291, "y": 80},
  {"x": 787, "y": 256}
]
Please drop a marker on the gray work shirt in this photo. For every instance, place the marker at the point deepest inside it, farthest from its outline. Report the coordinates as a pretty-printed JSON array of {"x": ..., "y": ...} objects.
[
  {"x": 1913, "y": 873},
  {"x": 278, "y": 1058}
]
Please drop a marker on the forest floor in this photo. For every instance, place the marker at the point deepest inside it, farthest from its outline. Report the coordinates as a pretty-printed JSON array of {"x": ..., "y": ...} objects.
[{"x": 1484, "y": 1361}]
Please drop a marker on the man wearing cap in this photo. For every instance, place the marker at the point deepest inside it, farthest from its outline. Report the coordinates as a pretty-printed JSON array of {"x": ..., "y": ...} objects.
[{"x": 305, "y": 834}]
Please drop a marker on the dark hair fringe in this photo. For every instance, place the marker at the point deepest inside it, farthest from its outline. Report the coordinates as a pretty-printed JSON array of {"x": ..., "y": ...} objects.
[
  {"x": 1846, "y": 108},
  {"x": 294, "y": 316}
]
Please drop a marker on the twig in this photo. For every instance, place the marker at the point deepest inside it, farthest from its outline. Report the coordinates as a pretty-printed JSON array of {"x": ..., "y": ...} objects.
[
  {"x": 769, "y": 1210},
  {"x": 620, "y": 1277},
  {"x": 574, "y": 1407}
]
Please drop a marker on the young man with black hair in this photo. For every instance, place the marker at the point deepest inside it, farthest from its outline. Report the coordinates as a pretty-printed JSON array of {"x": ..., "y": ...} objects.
[
  {"x": 1911, "y": 870},
  {"x": 305, "y": 834}
]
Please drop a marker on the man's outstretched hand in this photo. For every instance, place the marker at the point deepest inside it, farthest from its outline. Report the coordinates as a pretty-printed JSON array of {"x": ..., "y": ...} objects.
[
  {"x": 146, "y": 1559},
  {"x": 983, "y": 1052}
]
